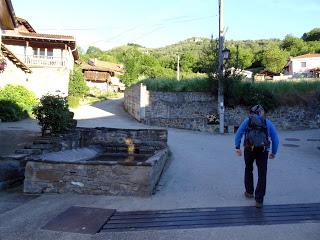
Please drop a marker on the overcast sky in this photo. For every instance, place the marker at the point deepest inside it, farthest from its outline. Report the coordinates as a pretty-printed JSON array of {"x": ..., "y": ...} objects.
[{"x": 157, "y": 23}]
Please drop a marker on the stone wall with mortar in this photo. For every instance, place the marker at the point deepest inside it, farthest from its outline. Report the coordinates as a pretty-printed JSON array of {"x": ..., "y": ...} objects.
[
  {"x": 66, "y": 173},
  {"x": 189, "y": 110},
  {"x": 88, "y": 177}
]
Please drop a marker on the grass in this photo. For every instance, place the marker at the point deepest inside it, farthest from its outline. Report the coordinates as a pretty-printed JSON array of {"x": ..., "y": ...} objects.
[
  {"x": 293, "y": 92},
  {"x": 271, "y": 94},
  {"x": 200, "y": 84}
]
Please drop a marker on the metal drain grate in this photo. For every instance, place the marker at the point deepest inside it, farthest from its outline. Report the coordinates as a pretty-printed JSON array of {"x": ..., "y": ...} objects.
[{"x": 212, "y": 217}]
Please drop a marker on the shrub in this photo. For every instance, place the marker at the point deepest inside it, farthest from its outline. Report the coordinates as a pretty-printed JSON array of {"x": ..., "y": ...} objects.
[
  {"x": 74, "y": 101},
  {"x": 10, "y": 111},
  {"x": 19, "y": 95},
  {"x": 53, "y": 114},
  {"x": 77, "y": 83}
]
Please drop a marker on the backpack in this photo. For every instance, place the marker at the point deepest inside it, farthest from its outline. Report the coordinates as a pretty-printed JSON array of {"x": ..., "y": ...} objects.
[{"x": 256, "y": 135}]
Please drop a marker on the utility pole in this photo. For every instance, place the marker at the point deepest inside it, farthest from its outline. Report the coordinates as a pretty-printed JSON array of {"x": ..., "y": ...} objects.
[
  {"x": 178, "y": 68},
  {"x": 220, "y": 70}
]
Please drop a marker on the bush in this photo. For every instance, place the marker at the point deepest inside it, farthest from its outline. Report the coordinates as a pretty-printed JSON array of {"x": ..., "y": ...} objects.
[
  {"x": 19, "y": 95},
  {"x": 53, "y": 114},
  {"x": 74, "y": 101},
  {"x": 10, "y": 111},
  {"x": 77, "y": 83}
]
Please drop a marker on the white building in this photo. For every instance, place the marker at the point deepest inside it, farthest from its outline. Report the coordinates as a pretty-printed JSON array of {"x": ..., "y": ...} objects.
[
  {"x": 301, "y": 66},
  {"x": 46, "y": 59}
]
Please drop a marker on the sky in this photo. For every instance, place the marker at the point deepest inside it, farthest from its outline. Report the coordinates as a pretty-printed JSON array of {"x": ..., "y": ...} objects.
[{"x": 157, "y": 23}]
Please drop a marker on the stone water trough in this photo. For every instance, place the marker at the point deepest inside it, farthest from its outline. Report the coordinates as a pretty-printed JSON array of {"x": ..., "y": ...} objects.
[{"x": 99, "y": 161}]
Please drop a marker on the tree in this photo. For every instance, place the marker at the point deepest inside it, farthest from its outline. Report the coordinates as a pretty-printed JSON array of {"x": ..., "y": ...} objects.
[
  {"x": 187, "y": 61},
  {"x": 207, "y": 62},
  {"x": 313, "y": 35},
  {"x": 245, "y": 57},
  {"x": 295, "y": 46},
  {"x": 131, "y": 59},
  {"x": 274, "y": 59},
  {"x": 77, "y": 83}
]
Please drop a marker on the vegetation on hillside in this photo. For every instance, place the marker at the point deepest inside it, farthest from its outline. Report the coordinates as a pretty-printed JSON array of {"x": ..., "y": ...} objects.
[{"x": 198, "y": 55}]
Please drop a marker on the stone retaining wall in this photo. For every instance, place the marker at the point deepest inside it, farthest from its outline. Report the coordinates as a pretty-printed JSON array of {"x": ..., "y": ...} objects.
[{"x": 189, "y": 110}]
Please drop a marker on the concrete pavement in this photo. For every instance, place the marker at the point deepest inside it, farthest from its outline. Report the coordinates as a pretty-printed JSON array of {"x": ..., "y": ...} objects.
[{"x": 203, "y": 172}]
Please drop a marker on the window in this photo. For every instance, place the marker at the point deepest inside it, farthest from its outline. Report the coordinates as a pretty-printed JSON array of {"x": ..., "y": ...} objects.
[
  {"x": 303, "y": 64},
  {"x": 50, "y": 53},
  {"x": 35, "y": 51},
  {"x": 43, "y": 52}
]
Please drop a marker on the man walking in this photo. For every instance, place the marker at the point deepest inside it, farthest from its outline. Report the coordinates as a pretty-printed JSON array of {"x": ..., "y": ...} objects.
[{"x": 257, "y": 131}]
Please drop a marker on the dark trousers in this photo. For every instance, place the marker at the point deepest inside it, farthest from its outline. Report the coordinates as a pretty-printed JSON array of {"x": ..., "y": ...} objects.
[{"x": 261, "y": 159}]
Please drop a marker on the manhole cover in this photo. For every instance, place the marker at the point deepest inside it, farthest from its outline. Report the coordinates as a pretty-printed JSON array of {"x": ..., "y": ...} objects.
[
  {"x": 292, "y": 139},
  {"x": 290, "y": 145},
  {"x": 313, "y": 139},
  {"x": 80, "y": 220}
]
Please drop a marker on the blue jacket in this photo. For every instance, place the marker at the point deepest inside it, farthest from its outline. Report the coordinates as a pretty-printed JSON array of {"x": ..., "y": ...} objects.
[{"x": 271, "y": 132}]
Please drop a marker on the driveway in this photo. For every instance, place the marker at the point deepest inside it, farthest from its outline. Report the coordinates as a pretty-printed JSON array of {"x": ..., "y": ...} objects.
[{"x": 203, "y": 172}]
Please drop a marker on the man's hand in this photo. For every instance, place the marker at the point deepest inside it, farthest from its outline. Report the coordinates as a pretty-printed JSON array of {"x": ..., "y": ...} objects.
[
  {"x": 238, "y": 152},
  {"x": 272, "y": 156}
]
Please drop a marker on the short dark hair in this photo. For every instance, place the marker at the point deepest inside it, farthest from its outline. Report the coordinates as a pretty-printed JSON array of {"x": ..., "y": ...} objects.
[{"x": 257, "y": 109}]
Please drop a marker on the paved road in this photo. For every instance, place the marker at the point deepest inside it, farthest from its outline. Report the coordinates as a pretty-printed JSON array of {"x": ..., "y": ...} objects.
[{"x": 203, "y": 172}]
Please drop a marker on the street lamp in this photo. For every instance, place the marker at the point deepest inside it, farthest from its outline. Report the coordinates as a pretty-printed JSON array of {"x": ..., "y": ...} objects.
[{"x": 226, "y": 54}]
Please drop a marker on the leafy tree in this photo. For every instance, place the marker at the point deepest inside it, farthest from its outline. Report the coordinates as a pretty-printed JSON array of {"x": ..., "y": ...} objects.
[
  {"x": 77, "y": 83},
  {"x": 245, "y": 57},
  {"x": 207, "y": 62},
  {"x": 314, "y": 46},
  {"x": 132, "y": 60},
  {"x": 295, "y": 46},
  {"x": 187, "y": 61},
  {"x": 313, "y": 35},
  {"x": 274, "y": 59},
  {"x": 94, "y": 51}
]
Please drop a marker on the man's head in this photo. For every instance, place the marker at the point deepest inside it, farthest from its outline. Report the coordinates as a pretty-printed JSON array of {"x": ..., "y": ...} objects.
[{"x": 257, "y": 109}]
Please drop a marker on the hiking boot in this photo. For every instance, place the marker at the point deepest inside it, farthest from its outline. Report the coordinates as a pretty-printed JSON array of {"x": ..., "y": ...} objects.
[
  {"x": 259, "y": 204},
  {"x": 248, "y": 195}
]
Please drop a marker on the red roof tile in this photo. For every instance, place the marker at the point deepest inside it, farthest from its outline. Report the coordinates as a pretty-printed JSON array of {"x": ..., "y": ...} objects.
[{"x": 309, "y": 55}]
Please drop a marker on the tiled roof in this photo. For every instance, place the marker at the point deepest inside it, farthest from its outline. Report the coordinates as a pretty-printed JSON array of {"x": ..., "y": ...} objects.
[
  {"x": 25, "y": 23},
  {"x": 38, "y": 36},
  {"x": 309, "y": 55},
  {"x": 102, "y": 66}
]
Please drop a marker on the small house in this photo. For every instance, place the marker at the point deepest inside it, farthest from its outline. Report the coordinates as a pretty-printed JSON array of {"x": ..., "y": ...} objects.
[
  {"x": 302, "y": 66},
  {"x": 46, "y": 59},
  {"x": 103, "y": 75}
]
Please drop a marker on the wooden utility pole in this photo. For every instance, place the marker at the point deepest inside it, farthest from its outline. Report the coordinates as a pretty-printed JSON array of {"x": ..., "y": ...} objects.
[
  {"x": 178, "y": 68},
  {"x": 220, "y": 70}
]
